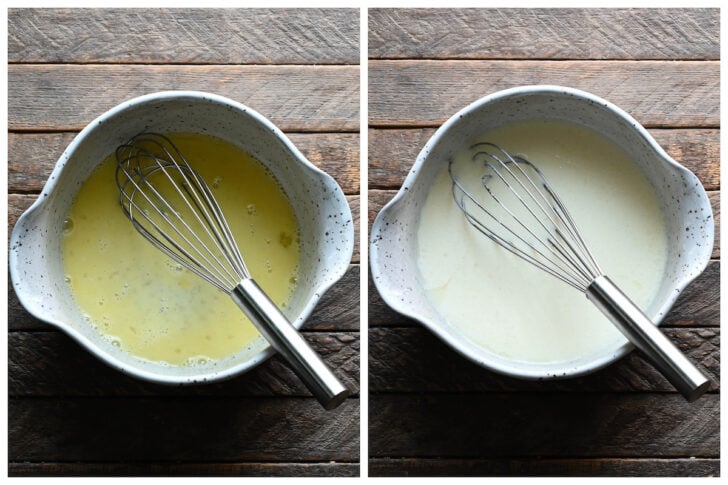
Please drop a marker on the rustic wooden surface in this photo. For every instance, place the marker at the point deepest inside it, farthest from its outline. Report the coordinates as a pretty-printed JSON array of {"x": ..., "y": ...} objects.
[
  {"x": 431, "y": 412},
  {"x": 70, "y": 414}
]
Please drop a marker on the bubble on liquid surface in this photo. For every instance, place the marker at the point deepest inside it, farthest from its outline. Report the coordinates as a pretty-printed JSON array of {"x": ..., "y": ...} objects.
[
  {"x": 216, "y": 182},
  {"x": 196, "y": 361},
  {"x": 68, "y": 226},
  {"x": 252, "y": 209},
  {"x": 285, "y": 239},
  {"x": 174, "y": 265}
]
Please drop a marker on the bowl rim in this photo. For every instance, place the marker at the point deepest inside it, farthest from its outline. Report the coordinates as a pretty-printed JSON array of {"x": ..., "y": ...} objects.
[
  {"x": 332, "y": 276},
  {"x": 500, "y": 364}
]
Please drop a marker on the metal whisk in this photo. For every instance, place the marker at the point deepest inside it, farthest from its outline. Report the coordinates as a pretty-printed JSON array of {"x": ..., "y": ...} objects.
[
  {"x": 507, "y": 199},
  {"x": 170, "y": 204}
]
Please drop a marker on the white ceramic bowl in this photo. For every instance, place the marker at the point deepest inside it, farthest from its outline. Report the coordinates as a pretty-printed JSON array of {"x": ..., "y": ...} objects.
[
  {"x": 681, "y": 196},
  {"x": 327, "y": 229}
]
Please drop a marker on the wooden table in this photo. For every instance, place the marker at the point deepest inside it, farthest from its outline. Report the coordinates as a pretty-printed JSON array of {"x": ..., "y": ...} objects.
[
  {"x": 70, "y": 414},
  {"x": 431, "y": 412}
]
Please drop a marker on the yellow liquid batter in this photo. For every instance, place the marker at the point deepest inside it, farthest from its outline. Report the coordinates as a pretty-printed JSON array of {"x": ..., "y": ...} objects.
[{"x": 148, "y": 304}]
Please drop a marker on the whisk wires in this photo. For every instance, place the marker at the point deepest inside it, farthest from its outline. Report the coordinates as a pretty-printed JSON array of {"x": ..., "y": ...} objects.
[
  {"x": 170, "y": 204},
  {"x": 507, "y": 199}
]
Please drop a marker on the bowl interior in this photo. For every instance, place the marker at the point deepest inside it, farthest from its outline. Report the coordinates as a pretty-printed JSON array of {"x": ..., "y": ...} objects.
[
  {"x": 319, "y": 205},
  {"x": 681, "y": 197}
]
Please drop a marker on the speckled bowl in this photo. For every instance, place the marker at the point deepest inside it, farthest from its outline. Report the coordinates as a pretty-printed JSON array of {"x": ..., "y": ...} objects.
[
  {"x": 327, "y": 229},
  {"x": 682, "y": 198}
]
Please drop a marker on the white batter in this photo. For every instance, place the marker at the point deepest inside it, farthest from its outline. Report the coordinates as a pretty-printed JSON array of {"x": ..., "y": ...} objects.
[{"x": 511, "y": 308}]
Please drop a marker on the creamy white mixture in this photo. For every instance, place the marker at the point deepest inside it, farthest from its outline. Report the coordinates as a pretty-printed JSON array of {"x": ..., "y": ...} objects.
[{"x": 511, "y": 308}]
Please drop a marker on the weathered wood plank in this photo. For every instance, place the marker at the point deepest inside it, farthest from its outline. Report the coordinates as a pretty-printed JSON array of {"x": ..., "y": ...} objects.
[
  {"x": 338, "y": 309},
  {"x": 715, "y": 205},
  {"x": 413, "y": 360},
  {"x": 698, "y": 306},
  {"x": 657, "y": 93},
  {"x": 545, "y": 467},
  {"x": 32, "y": 156},
  {"x": 379, "y": 198},
  {"x": 191, "y": 429},
  {"x": 138, "y": 469},
  {"x": 544, "y": 33},
  {"x": 52, "y": 364},
  {"x": 184, "y": 36},
  {"x": 65, "y": 97},
  {"x": 585, "y": 425},
  {"x": 354, "y": 202},
  {"x": 699, "y": 303},
  {"x": 392, "y": 152}
]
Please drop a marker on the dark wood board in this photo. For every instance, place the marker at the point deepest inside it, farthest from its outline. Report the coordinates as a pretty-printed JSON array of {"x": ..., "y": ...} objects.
[
  {"x": 49, "y": 363},
  {"x": 545, "y": 467},
  {"x": 188, "y": 429},
  {"x": 184, "y": 36},
  {"x": 413, "y": 360},
  {"x": 524, "y": 424},
  {"x": 65, "y": 97},
  {"x": 421, "y": 93},
  {"x": 185, "y": 469},
  {"x": 542, "y": 33}
]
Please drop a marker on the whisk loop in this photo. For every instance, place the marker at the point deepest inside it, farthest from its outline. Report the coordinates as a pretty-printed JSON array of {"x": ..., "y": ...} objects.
[
  {"x": 172, "y": 206},
  {"x": 169, "y": 203},
  {"x": 508, "y": 199},
  {"x": 528, "y": 218}
]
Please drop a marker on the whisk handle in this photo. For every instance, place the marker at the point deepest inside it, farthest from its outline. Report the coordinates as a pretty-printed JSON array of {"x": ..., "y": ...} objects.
[
  {"x": 283, "y": 336},
  {"x": 645, "y": 335}
]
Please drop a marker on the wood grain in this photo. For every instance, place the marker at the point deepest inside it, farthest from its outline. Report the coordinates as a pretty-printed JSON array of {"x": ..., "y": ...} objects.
[
  {"x": 537, "y": 33},
  {"x": 49, "y": 363},
  {"x": 32, "y": 156},
  {"x": 543, "y": 425},
  {"x": 545, "y": 467},
  {"x": 392, "y": 152},
  {"x": 191, "y": 429},
  {"x": 184, "y": 36},
  {"x": 413, "y": 360},
  {"x": 714, "y": 198},
  {"x": 186, "y": 469},
  {"x": 699, "y": 303},
  {"x": 65, "y": 97},
  {"x": 420, "y": 93}
]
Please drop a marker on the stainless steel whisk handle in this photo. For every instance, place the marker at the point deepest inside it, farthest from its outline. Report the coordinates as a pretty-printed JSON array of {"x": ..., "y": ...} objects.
[
  {"x": 279, "y": 332},
  {"x": 644, "y": 334}
]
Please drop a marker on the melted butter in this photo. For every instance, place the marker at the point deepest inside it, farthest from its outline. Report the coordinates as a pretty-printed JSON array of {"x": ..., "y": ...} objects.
[
  {"x": 148, "y": 304},
  {"x": 512, "y": 309}
]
